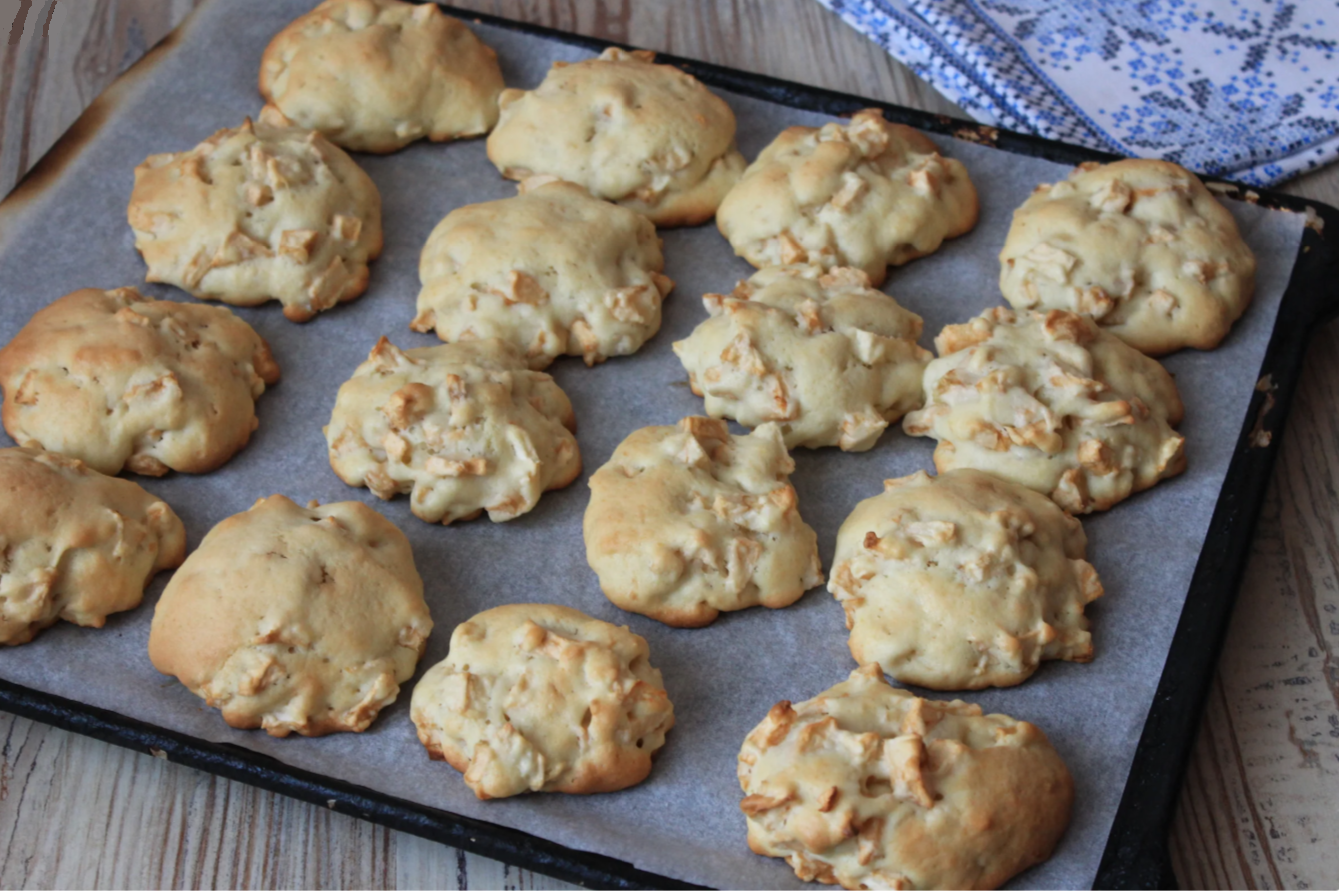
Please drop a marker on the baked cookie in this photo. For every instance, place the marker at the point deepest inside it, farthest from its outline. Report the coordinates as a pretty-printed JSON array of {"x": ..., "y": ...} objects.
[
  {"x": 463, "y": 427},
  {"x": 1053, "y": 402},
  {"x": 825, "y": 356},
  {"x": 375, "y": 75},
  {"x": 256, "y": 213},
  {"x": 868, "y": 786},
  {"x": 867, "y": 194},
  {"x": 552, "y": 270},
  {"x": 689, "y": 521},
  {"x": 540, "y": 698},
  {"x": 117, "y": 380},
  {"x": 1141, "y": 246},
  {"x": 963, "y": 581},
  {"x": 295, "y": 619},
  {"x": 647, "y": 136},
  {"x": 75, "y": 544}
]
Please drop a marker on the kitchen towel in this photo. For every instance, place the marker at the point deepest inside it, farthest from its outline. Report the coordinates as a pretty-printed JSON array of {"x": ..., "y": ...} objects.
[{"x": 1239, "y": 89}]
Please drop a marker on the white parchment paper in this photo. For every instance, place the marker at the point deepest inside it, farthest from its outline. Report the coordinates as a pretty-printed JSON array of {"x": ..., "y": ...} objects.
[{"x": 684, "y": 820}]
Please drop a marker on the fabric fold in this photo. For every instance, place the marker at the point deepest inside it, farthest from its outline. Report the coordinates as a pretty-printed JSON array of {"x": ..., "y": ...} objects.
[{"x": 1242, "y": 89}]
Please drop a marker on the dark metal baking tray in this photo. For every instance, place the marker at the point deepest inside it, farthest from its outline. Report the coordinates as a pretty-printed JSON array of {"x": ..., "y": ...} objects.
[{"x": 1136, "y": 851}]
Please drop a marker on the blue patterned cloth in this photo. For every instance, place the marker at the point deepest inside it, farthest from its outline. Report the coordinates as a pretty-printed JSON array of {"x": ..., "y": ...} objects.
[{"x": 1242, "y": 89}]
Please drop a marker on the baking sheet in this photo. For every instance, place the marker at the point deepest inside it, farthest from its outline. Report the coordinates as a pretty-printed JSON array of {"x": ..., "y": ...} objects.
[{"x": 684, "y": 820}]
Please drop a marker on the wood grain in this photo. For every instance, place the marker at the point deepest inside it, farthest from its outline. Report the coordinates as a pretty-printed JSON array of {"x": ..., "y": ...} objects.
[
  {"x": 58, "y": 57},
  {"x": 1259, "y": 805}
]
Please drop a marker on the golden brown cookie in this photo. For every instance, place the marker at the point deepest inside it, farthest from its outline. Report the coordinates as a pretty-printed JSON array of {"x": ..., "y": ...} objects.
[
  {"x": 463, "y": 427},
  {"x": 553, "y": 271},
  {"x": 297, "y": 620},
  {"x": 647, "y": 136},
  {"x": 375, "y": 75},
  {"x": 868, "y": 786},
  {"x": 1053, "y": 402},
  {"x": 75, "y": 544},
  {"x": 688, "y": 521},
  {"x": 1141, "y": 246},
  {"x": 963, "y": 581},
  {"x": 119, "y": 380},
  {"x": 257, "y": 213},
  {"x": 540, "y": 698},
  {"x": 867, "y": 194},
  {"x": 825, "y": 356}
]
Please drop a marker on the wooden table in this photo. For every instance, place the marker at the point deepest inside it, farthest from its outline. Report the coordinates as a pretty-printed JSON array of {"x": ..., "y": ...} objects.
[{"x": 1260, "y": 806}]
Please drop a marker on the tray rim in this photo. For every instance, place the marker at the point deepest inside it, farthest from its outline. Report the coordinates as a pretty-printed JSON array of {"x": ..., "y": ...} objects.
[{"x": 1136, "y": 854}]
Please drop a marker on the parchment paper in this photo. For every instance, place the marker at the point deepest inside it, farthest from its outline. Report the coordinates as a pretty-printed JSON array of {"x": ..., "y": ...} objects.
[{"x": 684, "y": 820}]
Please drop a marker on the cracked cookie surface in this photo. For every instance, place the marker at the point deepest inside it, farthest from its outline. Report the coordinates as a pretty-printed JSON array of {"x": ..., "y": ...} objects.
[
  {"x": 375, "y": 75},
  {"x": 257, "y": 213},
  {"x": 119, "y": 380},
  {"x": 295, "y": 620},
  {"x": 75, "y": 544},
  {"x": 963, "y": 581},
  {"x": 867, "y": 194},
  {"x": 1141, "y": 246},
  {"x": 688, "y": 521},
  {"x": 1053, "y": 402},
  {"x": 825, "y": 356},
  {"x": 462, "y": 428},
  {"x": 541, "y": 698},
  {"x": 553, "y": 271},
  {"x": 649, "y": 137},
  {"x": 868, "y": 786}
]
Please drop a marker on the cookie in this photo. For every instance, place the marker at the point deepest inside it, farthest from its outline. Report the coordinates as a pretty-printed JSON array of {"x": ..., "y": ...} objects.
[
  {"x": 118, "y": 380},
  {"x": 867, "y": 194},
  {"x": 825, "y": 356},
  {"x": 686, "y": 522},
  {"x": 963, "y": 581},
  {"x": 297, "y": 620},
  {"x": 540, "y": 698},
  {"x": 1141, "y": 246},
  {"x": 868, "y": 786},
  {"x": 647, "y": 136},
  {"x": 552, "y": 270},
  {"x": 257, "y": 213},
  {"x": 375, "y": 75},
  {"x": 462, "y": 427},
  {"x": 1053, "y": 402},
  {"x": 75, "y": 544}
]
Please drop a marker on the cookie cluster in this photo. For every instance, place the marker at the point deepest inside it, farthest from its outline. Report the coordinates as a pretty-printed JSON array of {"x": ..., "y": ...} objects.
[
  {"x": 308, "y": 619},
  {"x": 974, "y": 577}
]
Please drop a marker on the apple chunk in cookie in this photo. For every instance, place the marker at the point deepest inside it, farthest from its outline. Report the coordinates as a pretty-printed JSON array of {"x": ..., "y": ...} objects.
[
  {"x": 552, "y": 271},
  {"x": 541, "y": 698},
  {"x": 376, "y": 75},
  {"x": 75, "y": 544},
  {"x": 1053, "y": 402},
  {"x": 462, "y": 428},
  {"x": 963, "y": 581},
  {"x": 265, "y": 211},
  {"x": 1140, "y": 245},
  {"x": 868, "y": 786},
  {"x": 649, "y": 137},
  {"x": 118, "y": 380},
  {"x": 688, "y": 521},
  {"x": 867, "y": 194},
  {"x": 295, "y": 620},
  {"x": 828, "y": 358}
]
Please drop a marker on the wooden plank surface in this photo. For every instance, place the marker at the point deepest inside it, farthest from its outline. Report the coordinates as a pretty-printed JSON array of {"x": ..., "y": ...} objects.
[{"x": 1260, "y": 806}]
